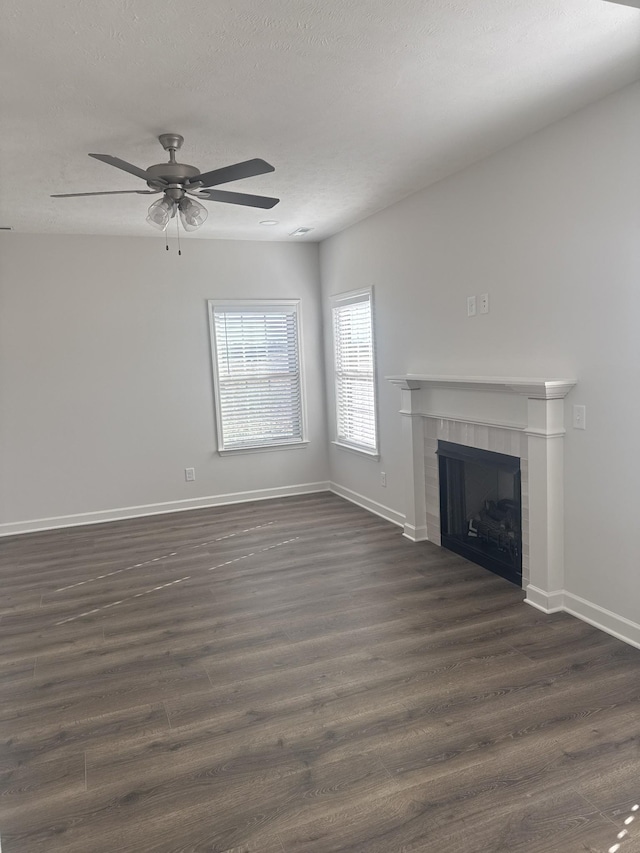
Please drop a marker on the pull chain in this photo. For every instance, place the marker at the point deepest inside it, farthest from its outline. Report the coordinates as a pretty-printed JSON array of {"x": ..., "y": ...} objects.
[
  {"x": 166, "y": 240},
  {"x": 178, "y": 233}
]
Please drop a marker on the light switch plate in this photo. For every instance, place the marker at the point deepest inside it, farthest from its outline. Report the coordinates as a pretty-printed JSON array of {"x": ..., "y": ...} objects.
[{"x": 471, "y": 306}]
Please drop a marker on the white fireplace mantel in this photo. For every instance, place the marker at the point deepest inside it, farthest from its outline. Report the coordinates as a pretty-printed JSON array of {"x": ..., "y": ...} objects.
[
  {"x": 534, "y": 389},
  {"x": 520, "y": 416}
]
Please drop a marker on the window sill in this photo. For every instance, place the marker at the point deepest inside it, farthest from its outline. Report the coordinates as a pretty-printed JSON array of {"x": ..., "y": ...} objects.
[
  {"x": 262, "y": 449},
  {"x": 371, "y": 454}
]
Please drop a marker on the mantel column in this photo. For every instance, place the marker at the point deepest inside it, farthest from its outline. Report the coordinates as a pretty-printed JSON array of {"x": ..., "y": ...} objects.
[
  {"x": 415, "y": 509},
  {"x": 545, "y": 438}
]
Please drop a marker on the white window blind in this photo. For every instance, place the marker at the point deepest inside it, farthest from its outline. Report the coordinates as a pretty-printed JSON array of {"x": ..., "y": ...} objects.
[
  {"x": 257, "y": 375},
  {"x": 354, "y": 371}
]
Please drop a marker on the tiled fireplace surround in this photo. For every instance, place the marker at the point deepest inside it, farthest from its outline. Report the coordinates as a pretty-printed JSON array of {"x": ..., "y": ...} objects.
[{"x": 519, "y": 417}]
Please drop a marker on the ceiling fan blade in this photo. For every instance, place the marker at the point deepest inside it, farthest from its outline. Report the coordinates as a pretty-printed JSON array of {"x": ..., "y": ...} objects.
[
  {"x": 238, "y": 198},
  {"x": 121, "y": 164},
  {"x": 109, "y": 192},
  {"x": 247, "y": 169}
]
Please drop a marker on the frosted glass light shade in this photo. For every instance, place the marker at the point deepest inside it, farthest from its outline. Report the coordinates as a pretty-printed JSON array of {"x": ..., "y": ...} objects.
[
  {"x": 160, "y": 213},
  {"x": 192, "y": 214}
]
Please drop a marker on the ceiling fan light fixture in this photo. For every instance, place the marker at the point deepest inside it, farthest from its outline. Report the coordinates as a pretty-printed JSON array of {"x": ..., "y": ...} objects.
[
  {"x": 192, "y": 214},
  {"x": 160, "y": 212},
  {"x": 175, "y": 180}
]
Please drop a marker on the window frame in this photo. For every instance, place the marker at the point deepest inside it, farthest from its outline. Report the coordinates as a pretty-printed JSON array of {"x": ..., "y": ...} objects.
[
  {"x": 258, "y": 306},
  {"x": 363, "y": 294}
]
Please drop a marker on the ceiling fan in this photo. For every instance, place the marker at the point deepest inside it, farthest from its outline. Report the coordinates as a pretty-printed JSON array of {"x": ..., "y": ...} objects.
[{"x": 180, "y": 184}]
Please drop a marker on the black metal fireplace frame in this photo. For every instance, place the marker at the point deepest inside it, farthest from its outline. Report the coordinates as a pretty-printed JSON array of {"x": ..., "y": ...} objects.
[{"x": 448, "y": 450}]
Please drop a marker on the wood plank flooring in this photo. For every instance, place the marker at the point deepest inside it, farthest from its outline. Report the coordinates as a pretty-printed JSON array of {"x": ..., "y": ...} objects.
[{"x": 294, "y": 675}]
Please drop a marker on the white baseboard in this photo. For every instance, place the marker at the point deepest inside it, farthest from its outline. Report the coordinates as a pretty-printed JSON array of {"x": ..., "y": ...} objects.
[
  {"x": 548, "y": 602},
  {"x": 555, "y": 601},
  {"x": 100, "y": 516},
  {"x": 366, "y": 503},
  {"x": 611, "y": 623},
  {"x": 415, "y": 534},
  {"x": 618, "y": 626}
]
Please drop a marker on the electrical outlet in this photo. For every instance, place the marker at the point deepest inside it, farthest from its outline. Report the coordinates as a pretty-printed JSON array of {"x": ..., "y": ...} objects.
[
  {"x": 383, "y": 478},
  {"x": 484, "y": 303},
  {"x": 579, "y": 417},
  {"x": 471, "y": 306},
  {"x": 189, "y": 474}
]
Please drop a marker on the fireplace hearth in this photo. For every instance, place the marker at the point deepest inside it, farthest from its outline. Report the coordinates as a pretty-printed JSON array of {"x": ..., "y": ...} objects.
[{"x": 480, "y": 507}]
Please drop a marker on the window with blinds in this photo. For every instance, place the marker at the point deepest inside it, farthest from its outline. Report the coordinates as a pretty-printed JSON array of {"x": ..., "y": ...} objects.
[
  {"x": 256, "y": 366},
  {"x": 355, "y": 391}
]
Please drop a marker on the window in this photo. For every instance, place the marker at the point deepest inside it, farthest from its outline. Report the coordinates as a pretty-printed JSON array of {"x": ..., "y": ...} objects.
[
  {"x": 256, "y": 368},
  {"x": 355, "y": 371}
]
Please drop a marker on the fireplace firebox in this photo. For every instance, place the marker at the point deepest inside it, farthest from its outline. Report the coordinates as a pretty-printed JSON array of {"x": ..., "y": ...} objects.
[{"x": 480, "y": 507}]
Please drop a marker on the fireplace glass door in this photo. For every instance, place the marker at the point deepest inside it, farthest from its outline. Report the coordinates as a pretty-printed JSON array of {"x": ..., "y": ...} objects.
[{"x": 480, "y": 507}]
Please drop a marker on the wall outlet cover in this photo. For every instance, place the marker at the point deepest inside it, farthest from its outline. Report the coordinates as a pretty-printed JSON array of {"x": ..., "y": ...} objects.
[{"x": 579, "y": 417}]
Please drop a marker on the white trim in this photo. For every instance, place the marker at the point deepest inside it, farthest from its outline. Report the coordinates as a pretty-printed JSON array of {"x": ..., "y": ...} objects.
[
  {"x": 534, "y": 389},
  {"x": 352, "y": 297},
  {"x": 618, "y": 626},
  {"x": 556, "y": 601},
  {"x": 415, "y": 534},
  {"x": 372, "y": 454},
  {"x": 547, "y": 602},
  {"x": 293, "y": 306},
  {"x": 605, "y": 620},
  {"x": 257, "y": 305},
  {"x": 262, "y": 448},
  {"x": 121, "y": 513},
  {"x": 366, "y": 503}
]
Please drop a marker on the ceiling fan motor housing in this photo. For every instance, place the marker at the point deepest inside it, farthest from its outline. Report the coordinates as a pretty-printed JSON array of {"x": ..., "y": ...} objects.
[{"x": 170, "y": 173}]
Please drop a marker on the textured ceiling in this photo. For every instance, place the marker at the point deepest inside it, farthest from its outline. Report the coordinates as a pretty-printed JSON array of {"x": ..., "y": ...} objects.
[{"x": 357, "y": 104}]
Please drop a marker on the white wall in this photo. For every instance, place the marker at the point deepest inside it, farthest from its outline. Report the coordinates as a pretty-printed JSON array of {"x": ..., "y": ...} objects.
[
  {"x": 105, "y": 373},
  {"x": 105, "y": 377},
  {"x": 550, "y": 227}
]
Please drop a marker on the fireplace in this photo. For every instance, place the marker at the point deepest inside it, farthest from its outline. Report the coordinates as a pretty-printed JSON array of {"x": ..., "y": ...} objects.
[
  {"x": 520, "y": 418},
  {"x": 480, "y": 507}
]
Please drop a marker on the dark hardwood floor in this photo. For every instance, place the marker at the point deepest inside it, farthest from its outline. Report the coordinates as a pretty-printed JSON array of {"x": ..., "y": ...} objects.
[{"x": 294, "y": 675}]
